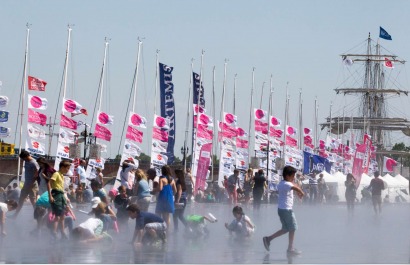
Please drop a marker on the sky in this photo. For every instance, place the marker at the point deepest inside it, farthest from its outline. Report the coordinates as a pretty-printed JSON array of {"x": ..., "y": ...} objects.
[{"x": 297, "y": 42}]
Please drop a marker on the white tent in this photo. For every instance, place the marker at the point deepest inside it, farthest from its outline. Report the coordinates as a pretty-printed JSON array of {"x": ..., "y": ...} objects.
[
  {"x": 402, "y": 180},
  {"x": 403, "y": 190}
]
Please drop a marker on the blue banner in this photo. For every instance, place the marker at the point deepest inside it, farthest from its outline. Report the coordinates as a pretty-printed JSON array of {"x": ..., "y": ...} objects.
[
  {"x": 4, "y": 116},
  {"x": 166, "y": 88},
  {"x": 198, "y": 92},
  {"x": 315, "y": 164}
]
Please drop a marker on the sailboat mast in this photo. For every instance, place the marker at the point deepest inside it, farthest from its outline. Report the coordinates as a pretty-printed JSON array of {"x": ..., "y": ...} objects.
[
  {"x": 189, "y": 107},
  {"x": 136, "y": 75},
  {"x": 263, "y": 88},
  {"x": 250, "y": 116},
  {"x": 23, "y": 94},
  {"x": 223, "y": 93},
  {"x": 234, "y": 93},
  {"x": 286, "y": 121}
]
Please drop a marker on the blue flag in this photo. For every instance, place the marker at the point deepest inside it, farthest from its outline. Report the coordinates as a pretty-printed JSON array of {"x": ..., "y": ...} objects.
[
  {"x": 315, "y": 164},
  {"x": 166, "y": 87},
  {"x": 384, "y": 34}
]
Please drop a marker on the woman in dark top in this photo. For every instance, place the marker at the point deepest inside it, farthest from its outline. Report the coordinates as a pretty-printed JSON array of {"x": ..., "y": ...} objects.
[
  {"x": 258, "y": 188},
  {"x": 350, "y": 193},
  {"x": 121, "y": 202},
  {"x": 180, "y": 198}
]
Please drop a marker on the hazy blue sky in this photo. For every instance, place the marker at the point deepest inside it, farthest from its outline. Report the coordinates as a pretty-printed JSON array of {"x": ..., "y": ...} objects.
[{"x": 295, "y": 41}]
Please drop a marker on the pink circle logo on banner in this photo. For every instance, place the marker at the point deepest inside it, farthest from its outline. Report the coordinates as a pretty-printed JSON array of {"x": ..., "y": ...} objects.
[
  {"x": 259, "y": 114},
  {"x": 291, "y": 130},
  {"x": 103, "y": 118},
  {"x": 160, "y": 122},
  {"x": 229, "y": 118},
  {"x": 36, "y": 102},
  {"x": 70, "y": 105},
  {"x": 306, "y": 130}
]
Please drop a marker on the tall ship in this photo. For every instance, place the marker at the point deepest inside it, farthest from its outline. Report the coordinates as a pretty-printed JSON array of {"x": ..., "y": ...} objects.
[{"x": 371, "y": 87}]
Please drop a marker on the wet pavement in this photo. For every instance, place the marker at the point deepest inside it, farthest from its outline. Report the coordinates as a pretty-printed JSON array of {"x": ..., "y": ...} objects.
[{"x": 326, "y": 235}]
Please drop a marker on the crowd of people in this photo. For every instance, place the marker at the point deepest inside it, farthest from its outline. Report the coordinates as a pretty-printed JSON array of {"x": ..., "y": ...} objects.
[{"x": 171, "y": 191}]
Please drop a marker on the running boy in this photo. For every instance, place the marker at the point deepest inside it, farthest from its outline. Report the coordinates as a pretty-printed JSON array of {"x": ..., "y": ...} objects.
[{"x": 285, "y": 212}]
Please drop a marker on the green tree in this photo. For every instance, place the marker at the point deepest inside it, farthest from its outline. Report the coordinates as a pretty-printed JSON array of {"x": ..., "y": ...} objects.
[
  {"x": 401, "y": 147},
  {"x": 144, "y": 158}
]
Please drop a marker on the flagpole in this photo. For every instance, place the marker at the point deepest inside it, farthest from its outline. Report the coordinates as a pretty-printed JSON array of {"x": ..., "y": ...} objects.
[
  {"x": 315, "y": 132},
  {"x": 136, "y": 74},
  {"x": 263, "y": 88},
  {"x": 286, "y": 123},
  {"x": 23, "y": 94},
  {"x": 197, "y": 116},
  {"x": 250, "y": 116},
  {"x": 67, "y": 56},
  {"x": 188, "y": 113},
  {"x": 156, "y": 82},
  {"x": 213, "y": 119},
  {"x": 269, "y": 115},
  {"x": 300, "y": 119},
  {"x": 343, "y": 141},
  {"x": 234, "y": 93}
]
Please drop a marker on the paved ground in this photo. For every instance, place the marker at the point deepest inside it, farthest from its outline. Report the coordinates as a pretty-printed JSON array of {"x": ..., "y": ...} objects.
[{"x": 326, "y": 235}]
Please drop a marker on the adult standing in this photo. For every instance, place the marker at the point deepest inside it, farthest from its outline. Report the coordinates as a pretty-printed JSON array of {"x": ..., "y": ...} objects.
[
  {"x": 233, "y": 183},
  {"x": 258, "y": 188},
  {"x": 167, "y": 189},
  {"x": 350, "y": 193},
  {"x": 100, "y": 176},
  {"x": 322, "y": 187},
  {"x": 313, "y": 188},
  {"x": 30, "y": 187},
  {"x": 376, "y": 186},
  {"x": 127, "y": 176},
  {"x": 56, "y": 197},
  {"x": 143, "y": 192},
  {"x": 180, "y": 198},
  {"x": 189, "y": 183},
  {"x": 247, "y": 185},
  {"x": 82, "y": 176}
]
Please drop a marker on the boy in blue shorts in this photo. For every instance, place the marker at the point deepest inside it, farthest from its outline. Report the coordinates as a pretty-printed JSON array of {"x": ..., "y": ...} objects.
[{"x": 285, "y": 212}]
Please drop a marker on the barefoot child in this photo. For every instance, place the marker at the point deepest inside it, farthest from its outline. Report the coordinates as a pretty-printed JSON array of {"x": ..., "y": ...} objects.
[
  {"x": 242, "y": 224},
  {"x": 285, "y": 212}
]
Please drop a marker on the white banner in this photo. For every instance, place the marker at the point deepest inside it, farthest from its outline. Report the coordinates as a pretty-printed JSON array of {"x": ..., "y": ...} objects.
[{"x": 35, "y": 147}]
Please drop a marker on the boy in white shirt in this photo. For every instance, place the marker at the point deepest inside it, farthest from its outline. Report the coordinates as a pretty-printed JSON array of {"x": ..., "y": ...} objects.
[{"x": 285, "y": 212}]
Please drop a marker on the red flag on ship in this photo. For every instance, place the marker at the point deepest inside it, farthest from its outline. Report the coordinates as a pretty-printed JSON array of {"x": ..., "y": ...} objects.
[
  {"x": 36, "y": 84},
  {"x": 388, "y": 63}
]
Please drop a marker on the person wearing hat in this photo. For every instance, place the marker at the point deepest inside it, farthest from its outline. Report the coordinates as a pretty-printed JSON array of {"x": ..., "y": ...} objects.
[{"x": 95, "y": 201}]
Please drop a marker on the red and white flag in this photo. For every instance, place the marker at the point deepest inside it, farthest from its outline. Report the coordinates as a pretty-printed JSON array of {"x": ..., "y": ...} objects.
[
  {"x": 73, "y": 107},
  {"x": 260, "y": 114},
  {"x": 227, "y": 131},
  {"x": 204, "y": 132},
  {"x": 35, "y": 132},
  {"x": 159, "y": 134},
  {"x": 388, "y": 63},
  {"x": 276, "y": 132},
  {"x": 230, "y": 119},
  {"x": 36, "y": 84},
  {"x": 241, "y": 132},
  {"x": 134, "y": 134},
  {"x": 291, "y": 141},
  {"x": 36, "y": 117},
  {"x": 35, "y": 147},
  {"x": 200, "y": 109},
  {"x": 241, "y": 143},
  {"x": 137, "y": 120},
  {"x": 275, "y": 121},
  {"x": 102, "y": 133},
  {"x": 307, "y": 131},
  {"x": 35, "y": 102},
  {"x": 68, "y": 123},
  {"x": 290, "y": 130},
  {"x": 261, "y": 126},
  {"x": 388, "y": 164},
  {"x": 161, "y": 122},
  {"x": 104, "y": 118},
  {"x": 204, "y": 119}
]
